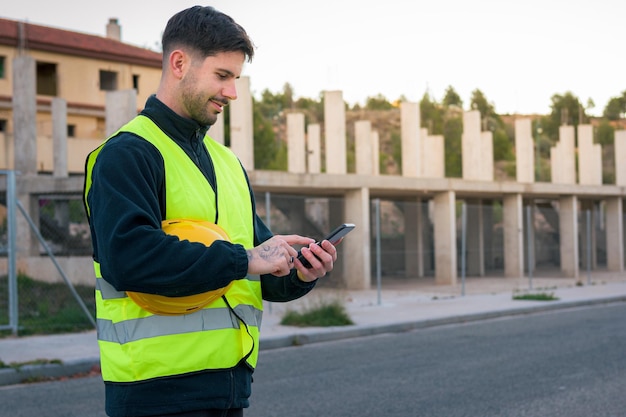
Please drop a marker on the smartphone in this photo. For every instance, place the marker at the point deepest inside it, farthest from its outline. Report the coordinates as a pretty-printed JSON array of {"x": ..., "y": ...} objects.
[{"x": 333, "y": 237}]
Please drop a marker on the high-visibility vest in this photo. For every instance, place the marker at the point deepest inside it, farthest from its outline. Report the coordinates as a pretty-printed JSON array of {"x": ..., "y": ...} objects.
[{"x": 136, "y": 345}]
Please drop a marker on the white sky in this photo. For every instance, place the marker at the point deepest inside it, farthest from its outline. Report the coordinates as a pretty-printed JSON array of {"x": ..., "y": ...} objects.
[{"x": 518, "y": 53}]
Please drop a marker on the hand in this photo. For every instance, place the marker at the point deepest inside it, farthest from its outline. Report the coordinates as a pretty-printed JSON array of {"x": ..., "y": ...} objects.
[
  {"x": 321, "y": 257},
  {"x": 276, "y": 255}
]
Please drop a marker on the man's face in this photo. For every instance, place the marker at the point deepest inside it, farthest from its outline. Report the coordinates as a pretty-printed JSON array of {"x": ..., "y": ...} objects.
[{"x": 209, "y": 85}]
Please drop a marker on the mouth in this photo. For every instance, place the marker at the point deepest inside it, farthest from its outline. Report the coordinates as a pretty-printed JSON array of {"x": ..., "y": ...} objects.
[{"x": 219, "y": 104}]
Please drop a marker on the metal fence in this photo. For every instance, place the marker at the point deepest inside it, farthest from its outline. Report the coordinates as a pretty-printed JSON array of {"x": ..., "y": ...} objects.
[
  {"x": 402, "y": 242},
  {"x": 28, "y": 305}
]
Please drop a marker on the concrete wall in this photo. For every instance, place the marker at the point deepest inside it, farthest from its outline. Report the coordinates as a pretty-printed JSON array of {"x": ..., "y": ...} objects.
[
  {"x": 335, "y": 132},
  {"x": 563, "y": 158},
  {"x": 524, "y": 151},
  {"x": 410, "y": 138},
  {"x": 620, "y": 157},
  {"x": 589, "y": 157}
]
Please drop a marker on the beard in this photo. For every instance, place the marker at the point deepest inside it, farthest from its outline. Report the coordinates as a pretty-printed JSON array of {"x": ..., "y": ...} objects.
[
  {"x": 198, "y": 108},
  {"x": 198, "y": 104}
]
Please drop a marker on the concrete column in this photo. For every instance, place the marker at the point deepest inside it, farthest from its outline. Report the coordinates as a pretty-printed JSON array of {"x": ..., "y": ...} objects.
[
  {"x": 524, "y": 151},
  {"x": 422, "y": 217},
  {"x": 413, "y": 240},
  {"x": 335, "y": 132},
  {"x": 434, "y": 160},
  {"x": 589, "y": 157},
  {"x": 59, "y": 137},
  {"x": 445, "y": 238},
  {"x": 513, "y": 236},
  {"x": 486, "y": 156},
  {"x": 614, "y": 234},
  {"x": 363, "y": 147},
  {"x": 555, "y": 164},
  {"x": 120, "y": 108},
  {"x": 24, "y": 115},
  {"x": 588, "y": 206},
  {"x": 25, "y": 145},
  {"x": 428, "y": 214},
  {"x": 566, "y": 155},
  {"x": 475, "y": 239},
  {"x": 314, "y": 159},
  {"x": 620, "y": 157},
  {"x": 529, "y": 229},
  {"x": 356, "y": 246},
  {"x": 410, "y": 139},
  {"x": 488, "y": 223},
  {"x": 568, "y": 230},
  {"x": 296, "y": 148},
  {"x": 216, "y": 132},
  {"x": 375, "y": 152},
  {"x": 471, "y": 145},
  {"x": 241, "y": 124}
]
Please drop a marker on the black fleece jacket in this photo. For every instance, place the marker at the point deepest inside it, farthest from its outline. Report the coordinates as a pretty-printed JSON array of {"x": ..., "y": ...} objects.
[{"x": 127, "y": 204}]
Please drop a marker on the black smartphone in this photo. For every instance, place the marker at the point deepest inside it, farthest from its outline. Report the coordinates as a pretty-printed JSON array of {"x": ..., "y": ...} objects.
[{"x": 333, "y": 237}]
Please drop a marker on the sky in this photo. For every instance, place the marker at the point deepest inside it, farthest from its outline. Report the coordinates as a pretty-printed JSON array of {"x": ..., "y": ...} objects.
[{"x": 518, "y": 53}]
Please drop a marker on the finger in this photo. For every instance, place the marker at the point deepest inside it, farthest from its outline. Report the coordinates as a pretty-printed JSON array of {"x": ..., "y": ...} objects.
[
  {"x": 296, "y": 239},
  {"x": 325, "y": 253},
  {"x": 330, "y": 249}
]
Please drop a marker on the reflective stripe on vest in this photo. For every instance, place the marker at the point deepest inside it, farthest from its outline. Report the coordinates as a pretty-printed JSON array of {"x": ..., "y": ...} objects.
[{"x": 136, "y": 345}]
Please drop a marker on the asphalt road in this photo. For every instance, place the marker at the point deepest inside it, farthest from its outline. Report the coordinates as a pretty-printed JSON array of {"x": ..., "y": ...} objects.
[{"x": 569, "y": 363}]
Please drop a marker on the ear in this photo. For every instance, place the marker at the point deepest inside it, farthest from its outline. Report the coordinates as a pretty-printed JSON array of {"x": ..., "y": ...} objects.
[{"x": 178, "y": 63}]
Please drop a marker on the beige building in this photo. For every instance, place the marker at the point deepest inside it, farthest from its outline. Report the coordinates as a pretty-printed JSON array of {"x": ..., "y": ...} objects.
[{"x": 78, "y": 68}]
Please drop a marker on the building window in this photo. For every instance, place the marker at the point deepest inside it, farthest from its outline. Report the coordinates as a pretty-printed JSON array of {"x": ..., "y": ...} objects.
[
  {"x": 3, "y": 125},
  {"x": 108, "y": 80},
  {"x": 2, "y": 61},
  {"x": 71, "y": 131},
  {"x": 136, "y": 82},
  {"x": 46, "y": 79}
]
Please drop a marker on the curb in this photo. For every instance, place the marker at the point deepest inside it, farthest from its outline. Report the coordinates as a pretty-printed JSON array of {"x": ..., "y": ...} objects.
[
  {"x": 33, "y": 373},
  {"x": 338, "y": 333},
  {"x": 30, "y": 373}
]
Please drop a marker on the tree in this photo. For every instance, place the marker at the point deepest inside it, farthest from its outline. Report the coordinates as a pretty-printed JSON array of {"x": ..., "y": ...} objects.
[
  {"x": 452, "y": 98},
  {"x": 379, "y": 102},
  {"x": 566, "y": 110},
  {"x": 605, "y": 133},
  {"x": 615, "y": 108},
  {"x": 268, "y": 152},
  {"x": 479, "y": 102},
  {"x": 432, "y": 115},
  {"x": 313, "y": 109},
  {"x": 491, "y": 121},
  {"x": 452, "y": 132}
]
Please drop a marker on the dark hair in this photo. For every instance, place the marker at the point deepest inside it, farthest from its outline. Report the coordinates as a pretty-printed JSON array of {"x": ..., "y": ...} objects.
[{"x": 207, "y": 31}]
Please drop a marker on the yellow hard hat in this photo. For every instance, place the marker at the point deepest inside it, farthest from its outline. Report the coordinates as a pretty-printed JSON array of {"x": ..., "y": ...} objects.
[{"x": 193, "y": 231}]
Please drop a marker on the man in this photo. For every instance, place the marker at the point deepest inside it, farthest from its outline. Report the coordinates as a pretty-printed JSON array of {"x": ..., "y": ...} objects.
[{"x": 163, "y": 166}]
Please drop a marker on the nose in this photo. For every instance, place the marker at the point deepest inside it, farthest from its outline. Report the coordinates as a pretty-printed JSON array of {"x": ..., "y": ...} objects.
[{"x": 230, "y": 90}]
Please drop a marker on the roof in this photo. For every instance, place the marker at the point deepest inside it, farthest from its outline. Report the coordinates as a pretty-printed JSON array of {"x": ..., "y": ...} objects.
[{"x": 48, "y": 39}]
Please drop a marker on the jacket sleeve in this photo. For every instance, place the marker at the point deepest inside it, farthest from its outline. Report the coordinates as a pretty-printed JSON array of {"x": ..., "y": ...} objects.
[
  {"x": 279, "y": 289},
  {"x": 134, "y": 253}
]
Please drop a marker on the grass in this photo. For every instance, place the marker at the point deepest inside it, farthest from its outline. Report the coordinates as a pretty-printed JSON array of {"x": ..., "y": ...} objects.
[
  {"x": 324, "y": 314},
  {"x": 46, "y": 308},
  {"x": 540, "y": 296}
]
